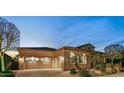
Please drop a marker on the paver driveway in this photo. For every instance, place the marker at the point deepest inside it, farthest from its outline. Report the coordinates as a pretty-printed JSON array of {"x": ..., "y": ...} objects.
[
  {"x": 44, "y": 73},
  {"x": 39, "y": 73}
]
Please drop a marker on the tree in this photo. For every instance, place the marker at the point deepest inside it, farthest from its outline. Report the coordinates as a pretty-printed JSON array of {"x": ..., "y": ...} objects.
[
  {"x": 77, "y": 60},
  {"x": 113, "y": 51},
  {"x": 9, "y": 39}
]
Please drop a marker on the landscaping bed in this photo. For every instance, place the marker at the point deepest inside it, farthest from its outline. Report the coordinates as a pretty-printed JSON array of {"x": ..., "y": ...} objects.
[{"x": 7, "y": 73}]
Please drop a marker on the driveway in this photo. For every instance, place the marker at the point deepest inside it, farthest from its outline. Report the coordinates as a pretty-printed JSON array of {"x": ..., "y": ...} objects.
[
  {"x": 44, "y": 73},
  {"x": 39, "y": 72}
]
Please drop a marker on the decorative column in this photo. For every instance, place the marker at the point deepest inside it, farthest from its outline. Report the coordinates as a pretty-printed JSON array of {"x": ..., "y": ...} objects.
[
  {"x": 53, "y": 62},
  {"x": 104, "y": 59},
  {"x": 84, "y": 59},
  {"x": 21, "y": 63}
]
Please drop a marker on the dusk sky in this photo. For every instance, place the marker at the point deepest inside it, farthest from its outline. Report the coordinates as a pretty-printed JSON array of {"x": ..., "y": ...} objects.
[{"x": 73, "y": 31}]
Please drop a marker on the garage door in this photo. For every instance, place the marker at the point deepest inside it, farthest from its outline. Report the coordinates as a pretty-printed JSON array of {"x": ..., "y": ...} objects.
[{"x": 37, "y": 65}]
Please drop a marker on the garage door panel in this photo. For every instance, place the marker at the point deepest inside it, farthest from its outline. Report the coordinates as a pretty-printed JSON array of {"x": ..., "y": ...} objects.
[{"x": 37, "y": 65}]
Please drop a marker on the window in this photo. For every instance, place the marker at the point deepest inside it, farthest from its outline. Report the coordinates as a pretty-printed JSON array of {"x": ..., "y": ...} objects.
[
  {"x": 42, "y": 59},
  {"x": 45, "y": 59},
  {"x": 78, "y": 59},
  {"x": 72, "y": 57},
  {"x": 31, "y": 59},
  {"x": 61, "y": 58},
  {"x": 84, "y": 59},
  {"x": 72, "y": 54}
]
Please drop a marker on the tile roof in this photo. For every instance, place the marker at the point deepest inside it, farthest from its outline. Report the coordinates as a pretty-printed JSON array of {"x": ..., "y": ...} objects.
[
  {"x": 39, "y": 48},
  {"x": 85, "y": 45}
]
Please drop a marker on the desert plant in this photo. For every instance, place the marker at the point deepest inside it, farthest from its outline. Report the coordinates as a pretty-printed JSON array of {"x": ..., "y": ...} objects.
[
  {"x": 97, "y": 66},
  {"x": 73, "y": 71}
]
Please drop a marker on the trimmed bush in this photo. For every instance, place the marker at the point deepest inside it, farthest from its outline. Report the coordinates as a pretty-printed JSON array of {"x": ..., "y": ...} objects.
[
  {"x": 84, "y": 73},
  {"x": 73, "y": 71}
]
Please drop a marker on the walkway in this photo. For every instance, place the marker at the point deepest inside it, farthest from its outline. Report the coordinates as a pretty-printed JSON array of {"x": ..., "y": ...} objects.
[{"x": 115, "y": 75}]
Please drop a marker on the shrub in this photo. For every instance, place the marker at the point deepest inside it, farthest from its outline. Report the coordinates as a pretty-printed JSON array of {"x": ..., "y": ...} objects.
[
  {"x": 98, "y": 66},
  {"x": 114, "y": 70},
  {"x": 73, "y": 71},
  {"x": 7, "y": 73},
  {"x": 84, "y": 73}
]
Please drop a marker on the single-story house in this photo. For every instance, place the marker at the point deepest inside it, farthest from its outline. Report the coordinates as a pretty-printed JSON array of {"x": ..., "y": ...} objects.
[{"x": 63, "y": 58}]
